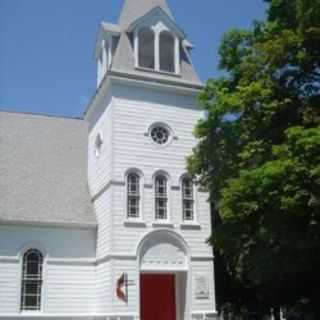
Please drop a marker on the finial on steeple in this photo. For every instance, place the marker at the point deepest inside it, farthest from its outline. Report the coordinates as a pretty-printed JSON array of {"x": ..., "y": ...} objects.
[{"x": 134, "y": 9}]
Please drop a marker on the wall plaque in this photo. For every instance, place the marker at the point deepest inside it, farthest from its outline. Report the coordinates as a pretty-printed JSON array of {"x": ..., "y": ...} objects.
[{"x": 202, "y": 287}]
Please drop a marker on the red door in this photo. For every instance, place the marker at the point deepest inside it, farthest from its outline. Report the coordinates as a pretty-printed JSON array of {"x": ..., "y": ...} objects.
[{"x": 158, "y": 300}]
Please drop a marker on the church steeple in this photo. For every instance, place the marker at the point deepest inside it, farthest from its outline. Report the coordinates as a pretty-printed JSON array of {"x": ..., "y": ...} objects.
[
  {"x": 146, "y": 43},
  {"x": 134, "y": 9}
]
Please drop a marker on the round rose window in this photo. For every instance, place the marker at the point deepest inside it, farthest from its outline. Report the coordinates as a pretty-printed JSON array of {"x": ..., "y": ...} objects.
[{"x": 160, "y": 135}]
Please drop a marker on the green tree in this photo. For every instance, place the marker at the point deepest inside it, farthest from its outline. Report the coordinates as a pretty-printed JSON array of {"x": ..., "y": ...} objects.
[{"x": 259, "y": 153}]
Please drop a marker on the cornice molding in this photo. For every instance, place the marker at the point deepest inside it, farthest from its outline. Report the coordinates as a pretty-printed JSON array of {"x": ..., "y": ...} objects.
[{"x": 92, "y": 261}]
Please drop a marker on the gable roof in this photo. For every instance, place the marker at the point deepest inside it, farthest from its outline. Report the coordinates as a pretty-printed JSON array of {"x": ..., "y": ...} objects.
[
  {"x": 43, "y": 166},
  {"x": 162, "y": 15},
  {"x": 134, "y": 9}
]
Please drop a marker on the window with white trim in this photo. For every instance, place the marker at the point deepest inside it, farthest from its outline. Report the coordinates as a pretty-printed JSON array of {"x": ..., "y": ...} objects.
[
  {"x": 133, "y": 194},
  {"x": 161, "y": 197},
  {"x": 167, "y": 53},
  {"x": 146, "y": 48},
  {"x": 31, "y": 287},
  {"x": 157, "y": 49},
  {"x": 187, "y": 199}
]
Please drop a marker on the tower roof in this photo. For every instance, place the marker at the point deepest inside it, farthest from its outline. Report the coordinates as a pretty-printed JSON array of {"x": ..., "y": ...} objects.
[
  {"x": 134, "y": 9},
  {"x": 136, "y": 13}
]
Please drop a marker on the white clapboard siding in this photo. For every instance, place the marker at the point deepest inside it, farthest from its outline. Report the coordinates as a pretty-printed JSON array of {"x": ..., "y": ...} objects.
[
  {"x": 103, "y": 287},
  {"x": 132, "y": 305},
  {"x": 134, "y": 110},
  {"x": 125, "y": 121},
  {"x": 9, "y": 286},
  {"x": 100, "y": 168},
  {"x": 69, "y": 275},
  {"x": 103, "y": 209},
  {"x": 70, "y": 289},
  {"x": 201, "y": 268},
  {"x": 56, "y": 242},
  {"x": 127, "y": 238},
  {"x": 132, "y": 148}
]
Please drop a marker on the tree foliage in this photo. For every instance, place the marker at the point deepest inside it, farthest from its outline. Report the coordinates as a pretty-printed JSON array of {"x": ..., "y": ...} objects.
[{"x": 259, "y": 152}]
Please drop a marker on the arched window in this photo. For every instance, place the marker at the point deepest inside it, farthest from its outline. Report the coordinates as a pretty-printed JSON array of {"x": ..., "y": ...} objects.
[
  {"x": 187, "y": 199},
  {"x": 161, "y": 197},
  {"x": 133, "y": 184},
  {"x": 167, "y": 52},
  {"x": 31, "y": 287},
  {"x": 146, "y": 48}
]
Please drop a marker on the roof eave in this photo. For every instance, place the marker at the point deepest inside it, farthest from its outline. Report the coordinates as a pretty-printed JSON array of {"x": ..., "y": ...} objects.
[
  {"x": 50, "y": 224},
  {"x": 190, "y": 87}
]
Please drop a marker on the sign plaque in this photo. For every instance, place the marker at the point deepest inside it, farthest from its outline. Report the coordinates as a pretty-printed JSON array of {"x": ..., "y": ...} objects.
[{"x": 202, "y": 288}]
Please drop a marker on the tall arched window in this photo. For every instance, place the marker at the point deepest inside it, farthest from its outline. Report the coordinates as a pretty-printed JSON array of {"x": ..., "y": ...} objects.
[
  {"x": 187, "y": 199},
  {"x": 161, "y": 197},
  {"x": 167, "y": 52},
  {"x": 31, "y": 287},
  {"x": 133, "y": 195},
  {"x": 146, "y": 48}
]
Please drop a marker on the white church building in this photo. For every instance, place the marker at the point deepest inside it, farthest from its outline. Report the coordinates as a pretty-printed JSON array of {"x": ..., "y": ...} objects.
[{"x": 98, "y": 217}]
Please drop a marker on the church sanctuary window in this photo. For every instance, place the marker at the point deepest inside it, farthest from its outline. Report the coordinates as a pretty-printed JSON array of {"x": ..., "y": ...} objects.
[
  {"x": 133, "y": 196},
  {"x": 167, "y": 62},
  {"x": 187, "y": 199},
  {"x": 146, "y": 48},
  {"x": 161, "y": 197},
  {"x": 31, "y": 281}
]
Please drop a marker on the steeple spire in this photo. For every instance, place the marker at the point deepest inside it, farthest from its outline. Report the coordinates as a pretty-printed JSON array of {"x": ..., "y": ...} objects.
[{"x": 134, "y": 9}]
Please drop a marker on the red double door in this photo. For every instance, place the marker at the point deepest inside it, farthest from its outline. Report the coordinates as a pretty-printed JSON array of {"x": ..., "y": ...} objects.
[{"x": 158, "y": 297}]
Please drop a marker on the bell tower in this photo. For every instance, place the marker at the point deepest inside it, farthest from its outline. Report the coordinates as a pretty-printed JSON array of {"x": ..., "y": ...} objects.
[
  {"x": 146, "y": 42},
  {"x": 153, "y": 222}
]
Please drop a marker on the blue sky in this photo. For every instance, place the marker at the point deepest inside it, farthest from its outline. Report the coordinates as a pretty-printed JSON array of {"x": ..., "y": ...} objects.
[{"x": 46, "y": 46}]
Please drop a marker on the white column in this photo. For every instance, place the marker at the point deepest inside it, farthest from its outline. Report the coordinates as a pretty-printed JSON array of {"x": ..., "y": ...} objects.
[
  {"x": 177, "y": 55},
  {"x": 104, "y": 58},
  {"x": 136, "y": 49},
  {"x": 109, "y": 54},
  {"x": 157, "y": 50},
  {"x": 99, "y": 69}
]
